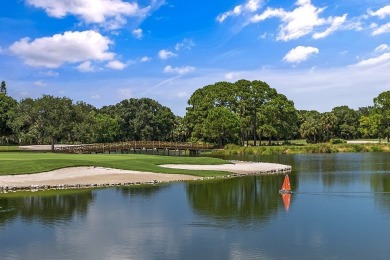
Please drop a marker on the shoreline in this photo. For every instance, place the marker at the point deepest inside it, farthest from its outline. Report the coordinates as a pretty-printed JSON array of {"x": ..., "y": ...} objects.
[{"x": 92, "y": 177}]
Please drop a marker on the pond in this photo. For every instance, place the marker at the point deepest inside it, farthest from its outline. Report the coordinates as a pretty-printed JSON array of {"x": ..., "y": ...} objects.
[{"x": 339, "y": 209}]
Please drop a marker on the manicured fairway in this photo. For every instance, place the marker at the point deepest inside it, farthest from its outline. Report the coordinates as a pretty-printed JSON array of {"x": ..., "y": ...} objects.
[{"x": 28, "y": 162}]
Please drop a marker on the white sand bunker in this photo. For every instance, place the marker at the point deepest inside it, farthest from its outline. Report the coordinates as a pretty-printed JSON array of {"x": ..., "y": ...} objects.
[
  {"x": 92, "y": 176},
  {"x": 236, "y": 167},
  {"x": 88, "y": 175}
]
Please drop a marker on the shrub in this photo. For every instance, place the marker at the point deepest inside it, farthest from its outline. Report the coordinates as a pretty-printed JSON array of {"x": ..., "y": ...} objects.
[
  {"x": 376, "y": 148},
  {"x": 337, "y": 141}
]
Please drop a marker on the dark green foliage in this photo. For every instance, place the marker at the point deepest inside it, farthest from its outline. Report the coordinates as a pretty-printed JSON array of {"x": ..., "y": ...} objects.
[
  {"x": 221, "y": 126},
  {"x": 260, "y": 109},
  {"x": 382, "y": 109},
  {"x": 7, "y": 105},
  {"x": 3, "y": 88},
  {"x": 51, "y": 119},
  {"x": 142, "y": 120},
  {"x": 337, "y": 141},
  {"x": 244, "y": 112}
]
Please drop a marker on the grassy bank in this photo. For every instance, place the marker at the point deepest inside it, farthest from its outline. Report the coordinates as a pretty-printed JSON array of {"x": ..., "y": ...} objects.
[
  {"x": 308, "y": 148},
  {"x": 9, "y": 148},
  {"x": 27, "y": 162}
]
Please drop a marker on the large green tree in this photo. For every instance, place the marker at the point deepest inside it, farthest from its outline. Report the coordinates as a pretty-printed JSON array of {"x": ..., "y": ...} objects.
[
  {"x": 142, "y": 119},
  {"x": 279, "y": 118},
  {"x": 44, "y": 120},
  {"x": 250, "y": 101},
  {"x": 7, "y": 105},
  {"x": 23, "y": 122},
  {"x": 83, "y": 123},
  {"x": 106, "y": 128},
  {"x": 310, "y": 128},
  {"x": 221, "y": 126},
  {"x": 347, "y": 122},
  {"x": 382, "y": 108},
  {"x": 369, "y": 125},
  {"x": 54, "y": 117}
]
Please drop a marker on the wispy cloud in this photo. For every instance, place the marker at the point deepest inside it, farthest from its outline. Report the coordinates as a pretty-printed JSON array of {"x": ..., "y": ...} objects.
[
  {"x": 86, "y": 67},
  {"x": 185, "y": 44},
  {"x": 382, "y": 48},
  {"x": 179, "y": 70},
  {"x": 137, "y": 33},
  {"x": 249, "y": 6},
  {"x": 300, "y": 53},
  {"x": 379, "y": 60},
  {"x": 145, "y": 59},
  {"x": 40, "y": 83},
  {"x": 116, "y": 65},
  {"x": 336, "y": 24},
  {"x": 125, "y": 93},
  {"x": 165, "y": 54},
  {"x": 385, "y": 28}
]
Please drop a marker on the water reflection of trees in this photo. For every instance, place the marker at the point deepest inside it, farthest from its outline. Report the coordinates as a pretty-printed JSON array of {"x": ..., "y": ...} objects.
[
  {"x": 254, "y": 197},
  {"x": 47, "y": 207},
  {"x": 380, "y": 184},
  {"x": 141, "y": 191}
]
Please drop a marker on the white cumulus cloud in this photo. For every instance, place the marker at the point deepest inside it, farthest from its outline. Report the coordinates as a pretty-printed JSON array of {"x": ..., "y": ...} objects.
[
  {"x": 70, "y": 47},
  {"x": 116, "y": 65},
  {"x": 385, "y": 28},
  {"x": 300, "y": 53},
  {"x": 110, "y": 13},
  {"x": 178, "y": 70},
  {"x": 301, "y": 21},
  {"x": 165, "y": 54},
  {"x": 137, "y": 33},
  {"x": 381, "y": 13}
]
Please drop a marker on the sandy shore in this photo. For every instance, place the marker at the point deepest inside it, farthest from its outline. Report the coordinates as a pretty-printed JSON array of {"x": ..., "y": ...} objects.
[
  {"x": 237, "y": 167},
  {"x": 97, "y": 176}
]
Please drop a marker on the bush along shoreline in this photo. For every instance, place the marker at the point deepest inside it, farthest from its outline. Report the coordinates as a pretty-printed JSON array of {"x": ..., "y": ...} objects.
[{"x": 232, "y": 149}]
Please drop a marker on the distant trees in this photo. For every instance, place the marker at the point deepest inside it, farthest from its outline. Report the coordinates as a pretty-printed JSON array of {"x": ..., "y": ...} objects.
[
  {"x": 7, "y": 105},
  {"x": 142, "y": 119},
  {"x": 3, "y": 88},
  {"x": 382, "y": 110},
  {"x": 220, "y": 113},
  {"x": 53, "y": 119}
]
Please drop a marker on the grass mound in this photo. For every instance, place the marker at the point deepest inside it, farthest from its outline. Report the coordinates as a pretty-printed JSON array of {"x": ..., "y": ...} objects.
[{"x": 26, "y": 162}]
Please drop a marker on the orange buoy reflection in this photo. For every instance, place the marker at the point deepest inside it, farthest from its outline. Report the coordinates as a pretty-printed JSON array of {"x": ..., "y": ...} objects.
[{"x": 286, "y": 200}]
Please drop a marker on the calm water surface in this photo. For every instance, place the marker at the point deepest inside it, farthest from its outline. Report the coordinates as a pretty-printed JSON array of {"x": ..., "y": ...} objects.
[{"x": 340, "y": 209}]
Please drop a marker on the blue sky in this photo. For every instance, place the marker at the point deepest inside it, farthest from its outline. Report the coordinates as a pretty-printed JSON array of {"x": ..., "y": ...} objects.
[{"x": 320, "y": 54}]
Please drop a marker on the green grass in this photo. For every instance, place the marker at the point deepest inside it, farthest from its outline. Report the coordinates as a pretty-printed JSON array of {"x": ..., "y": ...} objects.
[
  {"x": 9, "y": 148},
  {"x": 27, "y": 162}
]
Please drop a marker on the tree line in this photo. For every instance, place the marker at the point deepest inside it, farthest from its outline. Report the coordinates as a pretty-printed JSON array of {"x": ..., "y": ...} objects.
[{"x": 220, "y": 113}]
